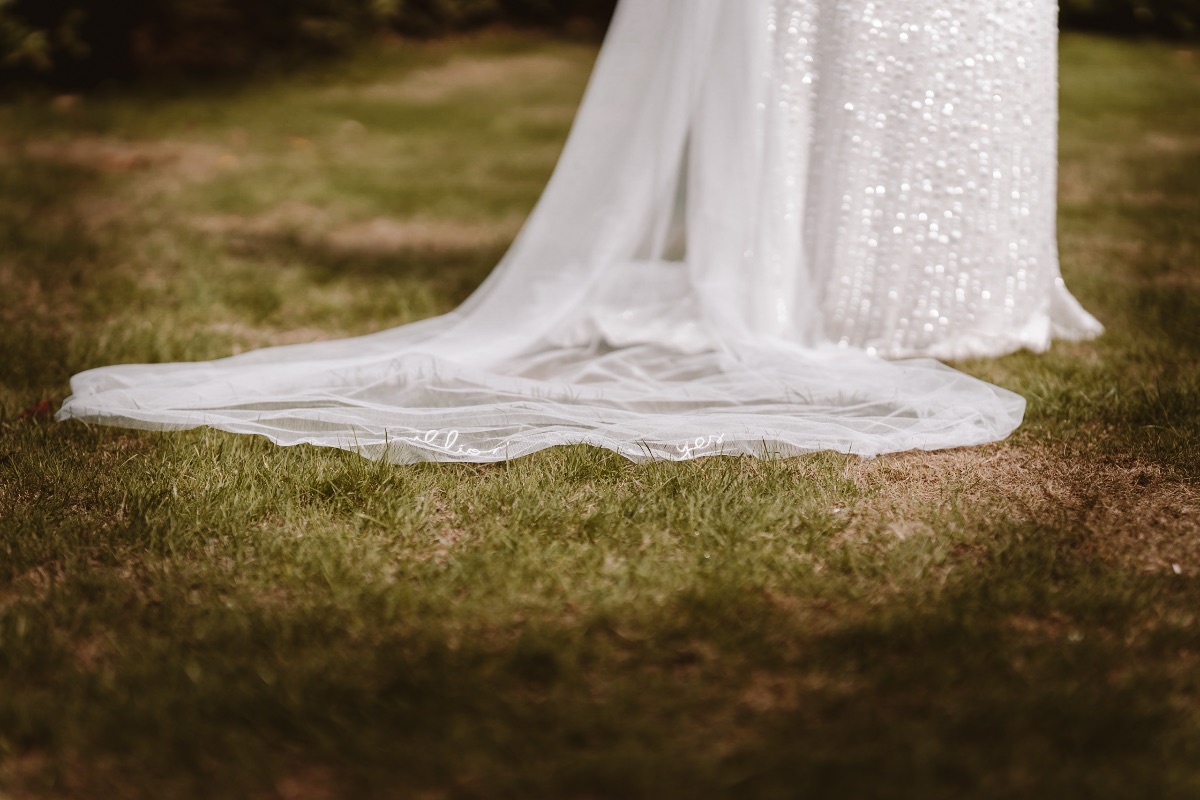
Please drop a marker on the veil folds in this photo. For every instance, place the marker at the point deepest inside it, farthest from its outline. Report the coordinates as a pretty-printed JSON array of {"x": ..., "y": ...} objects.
[{"x": 680, "y": 288}]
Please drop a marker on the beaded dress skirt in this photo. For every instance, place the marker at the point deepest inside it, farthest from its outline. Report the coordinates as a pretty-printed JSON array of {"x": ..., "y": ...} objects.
[
  {"x": 760, "y": 201},
  {"x": 944, "y": 157}
]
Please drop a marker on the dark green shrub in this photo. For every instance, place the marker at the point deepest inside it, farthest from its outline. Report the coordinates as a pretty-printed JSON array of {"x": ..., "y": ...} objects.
[
  {"x": 1171, "y": 18},
  {"x": 557, "y": 12},
  {"x": 437, "y": 17},
  {"x": 76, "y": 42},
  {"x": 81, "y": 41}
]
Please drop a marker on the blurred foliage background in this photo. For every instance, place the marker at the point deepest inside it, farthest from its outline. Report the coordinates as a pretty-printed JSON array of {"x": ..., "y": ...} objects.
[
  {"x": 79, "y": 43},
  {"x": 1178, "y": 19}
]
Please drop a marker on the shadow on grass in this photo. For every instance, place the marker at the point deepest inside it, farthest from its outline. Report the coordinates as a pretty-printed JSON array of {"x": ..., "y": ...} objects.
[
  {"x": 451, "y": 273},
  {"x": 42, "y": 235},
  {"x": 46, "y": 253},
  {"x": 1032, "y": 673},
  {"x": 207, "y": 636},
  {"x": 207, "y": 616}
]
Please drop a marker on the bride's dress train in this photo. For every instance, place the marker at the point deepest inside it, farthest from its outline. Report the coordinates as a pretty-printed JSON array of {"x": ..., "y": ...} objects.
[{"x": 760, "y": 200}]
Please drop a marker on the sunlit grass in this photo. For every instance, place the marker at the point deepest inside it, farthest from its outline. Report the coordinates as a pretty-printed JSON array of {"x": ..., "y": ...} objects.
[{"x": 205, "y": 615}]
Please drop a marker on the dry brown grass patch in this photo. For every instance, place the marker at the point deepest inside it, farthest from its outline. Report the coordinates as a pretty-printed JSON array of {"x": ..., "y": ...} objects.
[
  {"x": 191, "y": 161},
  {"x": 1160, "y": 143},
  {"x": 1131, "y": 514},
  {"x": 1083, "y": 183},
  {"x": 19, "y": 772},
  {"x": 307, "y": 783},
  {"x": 29, "y": 303},
  {"x": 459, "y": 75},
  {"x": 422, "y": 235},
  {"x": 317, "y": 228},
  {"x": 1152, "y": 528}
]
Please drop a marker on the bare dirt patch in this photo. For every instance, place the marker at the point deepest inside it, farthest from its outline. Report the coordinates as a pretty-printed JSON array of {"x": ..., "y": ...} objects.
[
  {"x": 309, "y": 783},
  {"x": 250, "y": 337},
  {"x": 188, "y": 161},
  {"x": 1084, "y": 183},
  {"x": 424, "y": 235},
  {"x": 767, "y": 692},
  {"x": 152, "y": 169},
  {"x": 1167, "y": 144},
  {"x": 462, "y": 75},
  {"x": 20, "y": 772},
  {"x": 285, "y": 219},
  {"x": 314, "y": 227},
  {"x": 91, "y": 653},
  {"x": 24, "y": 300}
]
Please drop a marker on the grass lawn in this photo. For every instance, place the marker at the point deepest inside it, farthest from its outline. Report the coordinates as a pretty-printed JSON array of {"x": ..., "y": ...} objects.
[{"x": 200, "y": 615}]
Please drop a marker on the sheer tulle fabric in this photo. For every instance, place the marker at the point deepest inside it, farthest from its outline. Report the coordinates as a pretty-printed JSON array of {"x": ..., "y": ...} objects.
[{"x": 722, "y": 259}]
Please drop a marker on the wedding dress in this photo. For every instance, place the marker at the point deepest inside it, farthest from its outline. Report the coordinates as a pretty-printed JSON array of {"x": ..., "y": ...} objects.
[{"x": 768, "y": 219}]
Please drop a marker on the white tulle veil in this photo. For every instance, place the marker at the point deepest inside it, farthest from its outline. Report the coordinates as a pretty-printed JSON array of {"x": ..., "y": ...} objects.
[{"x": 661, "y": 300}]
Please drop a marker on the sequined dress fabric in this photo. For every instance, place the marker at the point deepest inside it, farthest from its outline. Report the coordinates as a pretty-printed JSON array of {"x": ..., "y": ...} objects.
[
  {"x": 769, "y": 215},
  {"x": 944, "y": 160}
]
